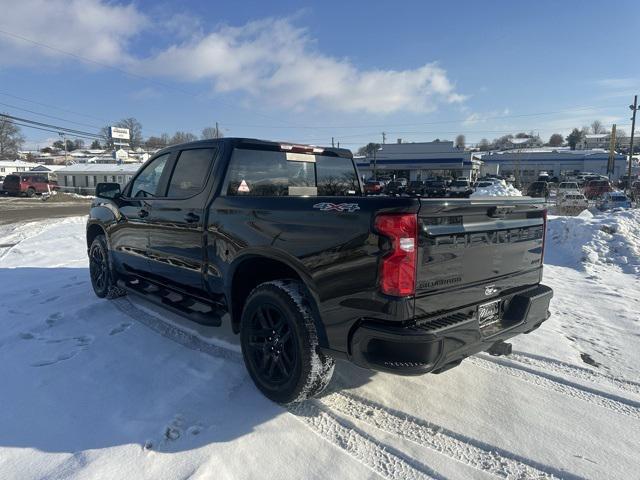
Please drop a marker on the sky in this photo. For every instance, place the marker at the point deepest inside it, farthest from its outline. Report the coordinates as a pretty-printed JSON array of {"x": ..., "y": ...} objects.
[{"x": 310, "y": 71}]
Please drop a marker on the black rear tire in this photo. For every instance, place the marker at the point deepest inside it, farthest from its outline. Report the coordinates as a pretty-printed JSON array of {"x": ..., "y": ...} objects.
[
  {"x": 103, "y": 279},
  {"x": 31, "y": 192},
  {"x": 280, "y": 343}
]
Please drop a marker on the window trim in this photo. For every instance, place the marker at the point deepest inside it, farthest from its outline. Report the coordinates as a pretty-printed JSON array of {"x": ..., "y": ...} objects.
[{"x": 174, "y": 162}]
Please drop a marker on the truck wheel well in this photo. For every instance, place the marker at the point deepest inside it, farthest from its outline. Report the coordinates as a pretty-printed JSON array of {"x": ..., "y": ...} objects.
[
  {"x": 251, "y": 273},
  {"x": 92, "y": 232}
]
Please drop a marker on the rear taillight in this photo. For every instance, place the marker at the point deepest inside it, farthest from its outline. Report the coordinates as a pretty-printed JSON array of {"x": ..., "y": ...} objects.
[
  {"x": 544, "y": 232},
  {"x": 398, "y": 266}
]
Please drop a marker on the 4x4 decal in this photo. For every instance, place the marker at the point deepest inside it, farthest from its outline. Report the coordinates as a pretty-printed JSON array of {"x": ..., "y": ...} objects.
[{"x": 337, "y": 207}]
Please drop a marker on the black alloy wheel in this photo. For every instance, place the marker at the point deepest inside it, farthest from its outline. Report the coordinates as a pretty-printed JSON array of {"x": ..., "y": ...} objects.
[
  {"x": 98, "y": 269},
  {"x": 274, "y": 352}
]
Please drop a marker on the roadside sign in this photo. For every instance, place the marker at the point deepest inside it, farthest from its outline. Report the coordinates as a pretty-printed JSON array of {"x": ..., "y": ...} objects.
[{"x": 117, "y": 132}]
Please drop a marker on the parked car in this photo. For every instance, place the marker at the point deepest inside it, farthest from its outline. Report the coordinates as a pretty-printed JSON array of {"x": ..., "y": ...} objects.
[
  {"x": 416, "y": 188},
  {"x": 597, "y": 188},
  {"x": 538, "y": 190},
  {"x": 567, "y": 187},
  {"x": 309, "y": 273},
  {"x": 460, "y": 188},
  {"x": 395, "y": 188},
  {"x": 623, "y": 182},
  {"x": 28, "y": 184},
  {"x": 611, "y": 200},
  {"x": 435, "y": 189},
  {"x": 373, "y": 187},
  {"x": 573, "y": 203}
]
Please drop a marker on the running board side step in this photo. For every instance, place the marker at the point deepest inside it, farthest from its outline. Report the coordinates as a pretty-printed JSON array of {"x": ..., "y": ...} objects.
[{"x": 208, "y": 314}]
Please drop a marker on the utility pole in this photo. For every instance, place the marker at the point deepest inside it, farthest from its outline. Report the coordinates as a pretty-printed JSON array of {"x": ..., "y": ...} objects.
[
  {"x": 64, "y": 142},
  {"x": 633, "y": 107},
  {"x": 375, "y": 165},
  {"x": 332, "y": 144},
  {"x": 384, "y": 137},
  {"x": 217, "y": 131},
  {"x": 611, "y": 164}
]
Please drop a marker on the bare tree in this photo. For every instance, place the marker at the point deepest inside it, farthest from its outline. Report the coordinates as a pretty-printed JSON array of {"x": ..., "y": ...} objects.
[
  {"x": 135, "y": 130},
  {"x": 460, "y": 141},
  {"x": 556, "y": 140},
  {"x": 182, "y": 137},
  {"x": 11, "y": 139},
  {"x": 597, "y": 127},
  {"x": 483, "y": 146},
  {"x": 155, "y": 143},
  {"x": 211, "y": 132}
]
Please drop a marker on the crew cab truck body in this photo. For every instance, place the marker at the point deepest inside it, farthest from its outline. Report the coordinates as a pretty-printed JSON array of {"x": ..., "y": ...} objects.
[{"x": 309, "y": 269}]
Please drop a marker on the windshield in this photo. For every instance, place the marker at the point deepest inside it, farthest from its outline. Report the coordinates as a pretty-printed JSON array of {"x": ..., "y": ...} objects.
[{"x": 459, "y": 183}]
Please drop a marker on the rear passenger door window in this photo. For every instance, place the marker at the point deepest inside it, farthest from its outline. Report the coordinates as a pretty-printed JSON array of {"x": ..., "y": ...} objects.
[{"x": 190, "y": 172}]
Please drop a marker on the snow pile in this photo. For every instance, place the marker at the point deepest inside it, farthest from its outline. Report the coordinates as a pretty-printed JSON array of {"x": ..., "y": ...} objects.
[
  {"x": 610, "y": 238},
  {"x": 498, "y": 189}
]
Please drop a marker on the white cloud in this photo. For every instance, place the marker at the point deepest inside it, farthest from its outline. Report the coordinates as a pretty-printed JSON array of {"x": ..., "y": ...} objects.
[
  {"x": 475, "y": 118},
  {"x": 90, "y": 28},
  {"x": 618, "y": 83},
  {"x": 270, "y": 60},
  {"x": 273, "y": 60}
]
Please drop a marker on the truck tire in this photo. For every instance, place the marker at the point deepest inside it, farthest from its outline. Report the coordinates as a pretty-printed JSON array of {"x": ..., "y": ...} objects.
[
  {"x": 280, "y": 343},
  {"x": 103, "y": 279},
  {"x": 31, "y": 192}
]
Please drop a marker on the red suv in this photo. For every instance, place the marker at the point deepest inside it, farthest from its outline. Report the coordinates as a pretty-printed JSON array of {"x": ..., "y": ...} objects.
[
  {"x": 28, "y": 184},
  {"x": 597, "y": 188}
]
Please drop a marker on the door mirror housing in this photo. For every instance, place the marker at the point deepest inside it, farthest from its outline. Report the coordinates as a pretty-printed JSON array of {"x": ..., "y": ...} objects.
[{"x": 110, "y": 191}]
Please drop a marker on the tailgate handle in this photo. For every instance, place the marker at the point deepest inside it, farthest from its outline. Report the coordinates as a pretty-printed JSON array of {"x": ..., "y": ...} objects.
[{"x": 500, "y": 211}]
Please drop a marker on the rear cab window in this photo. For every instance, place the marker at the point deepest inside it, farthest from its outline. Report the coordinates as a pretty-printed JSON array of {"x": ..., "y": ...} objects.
[{"x": 274, "y": 173}]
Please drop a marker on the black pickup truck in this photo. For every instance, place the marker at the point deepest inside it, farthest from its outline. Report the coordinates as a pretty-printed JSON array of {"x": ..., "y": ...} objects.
[{"x": 279, "y": 240}]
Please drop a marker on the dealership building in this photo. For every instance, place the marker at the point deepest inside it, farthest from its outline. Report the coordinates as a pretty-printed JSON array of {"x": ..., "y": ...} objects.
[
  {"x": 526, "y": 164},
  {"x": 419, "y": 161}
]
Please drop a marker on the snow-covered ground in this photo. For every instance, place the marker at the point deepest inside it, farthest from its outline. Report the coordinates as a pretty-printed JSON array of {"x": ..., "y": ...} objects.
[{"x": 93, "y": 388}]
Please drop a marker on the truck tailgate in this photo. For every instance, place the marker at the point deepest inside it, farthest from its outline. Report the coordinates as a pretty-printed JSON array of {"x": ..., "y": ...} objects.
[{"x": 474, "y": 250}]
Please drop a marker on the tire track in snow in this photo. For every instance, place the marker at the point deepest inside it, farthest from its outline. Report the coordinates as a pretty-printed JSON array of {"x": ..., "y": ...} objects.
[
  {"x": 380, "y": 458},
  {"x": 556, "y": 366},
  {"x": 470, "y": 452},
  {"x": 376, "y": 456},
  {"x": 559, "y": 385}
]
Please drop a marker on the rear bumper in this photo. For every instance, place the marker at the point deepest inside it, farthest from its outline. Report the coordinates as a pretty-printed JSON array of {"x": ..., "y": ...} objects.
[{"x": 439, "y": 343}]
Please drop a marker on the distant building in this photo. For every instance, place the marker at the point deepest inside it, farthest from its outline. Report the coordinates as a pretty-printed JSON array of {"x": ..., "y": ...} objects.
[
  {"x": 82, "y": 178},
  {"x": 49, "y": 170},
  {"x": 603, "y": 140},
  {"x": 419, "y": 161},
  {"x": 7, "y": 167},
  {"x": 526, "y": 164},
  {"x": 594, "y": 140}
]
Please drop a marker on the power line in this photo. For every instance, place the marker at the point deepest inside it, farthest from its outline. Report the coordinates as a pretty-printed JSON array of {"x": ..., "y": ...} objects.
[
  {"x": 55, "y": 107},
  {"x": 50, "y": 116},
  {"x": 56, "y": 128}
]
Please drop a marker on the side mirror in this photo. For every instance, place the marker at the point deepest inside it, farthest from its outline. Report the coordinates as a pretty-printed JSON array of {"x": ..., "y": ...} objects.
[{"x": 110, "y": 191}]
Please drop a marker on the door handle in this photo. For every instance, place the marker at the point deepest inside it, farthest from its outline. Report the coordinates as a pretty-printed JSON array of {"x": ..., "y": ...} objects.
[
  {"x": 191, "y": 217},
  {"x": 143, "y": 213}
]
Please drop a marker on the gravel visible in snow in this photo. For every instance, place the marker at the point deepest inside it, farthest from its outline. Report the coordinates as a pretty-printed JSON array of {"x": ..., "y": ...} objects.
[{"x": 498, "y": 189}]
